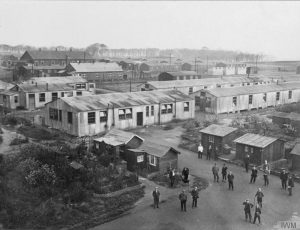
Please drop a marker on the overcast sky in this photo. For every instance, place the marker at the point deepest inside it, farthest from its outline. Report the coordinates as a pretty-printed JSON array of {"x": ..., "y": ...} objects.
[{"x": 271, "y": 28}]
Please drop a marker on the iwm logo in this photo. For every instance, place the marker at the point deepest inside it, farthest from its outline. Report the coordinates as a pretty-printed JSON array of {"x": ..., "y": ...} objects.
[{"x": 295, "y": 225}]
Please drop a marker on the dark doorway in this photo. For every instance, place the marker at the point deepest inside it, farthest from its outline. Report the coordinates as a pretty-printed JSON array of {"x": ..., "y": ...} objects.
[{"x": 139, "y": 118}]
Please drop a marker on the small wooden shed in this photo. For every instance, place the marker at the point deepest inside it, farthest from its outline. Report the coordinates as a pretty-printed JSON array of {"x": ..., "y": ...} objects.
[
  {"x": 295, "y": 157},
  {"x": 260, "y": 148},
  {"x": 217, "y": 136}
]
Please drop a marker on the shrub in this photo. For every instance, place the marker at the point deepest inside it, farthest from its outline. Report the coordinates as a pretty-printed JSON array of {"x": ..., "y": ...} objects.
[
  {"x": 105, "y": 160},
  {"x": 18, "y": 141},
  {"x": 77, "y": 193},
  {"x": 10, "y": 120}
]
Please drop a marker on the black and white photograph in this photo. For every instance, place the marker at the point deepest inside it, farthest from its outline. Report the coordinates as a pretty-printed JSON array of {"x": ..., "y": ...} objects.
[{"x": 149, "y": 115}]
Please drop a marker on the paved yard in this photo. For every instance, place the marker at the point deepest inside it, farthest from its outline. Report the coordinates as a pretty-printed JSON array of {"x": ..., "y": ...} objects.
[{"x": 218, "y": 208}]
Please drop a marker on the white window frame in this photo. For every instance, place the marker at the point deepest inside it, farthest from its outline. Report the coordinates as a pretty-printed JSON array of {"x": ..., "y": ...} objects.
[
  {"x": 211, "y": 139},
  {"x": 152, "y": 157},
  {"x": 140, "y": 159}
]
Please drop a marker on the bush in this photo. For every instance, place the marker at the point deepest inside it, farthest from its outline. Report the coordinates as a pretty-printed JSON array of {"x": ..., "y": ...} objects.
[
  {"x": 18, "y": 141},
  {"x": 105, "y": 160},
  {"x": 10, "y": 120},
  {"x": 77, "y": 193}
]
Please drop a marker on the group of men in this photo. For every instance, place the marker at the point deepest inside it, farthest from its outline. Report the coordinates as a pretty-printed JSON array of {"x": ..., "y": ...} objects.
[
  {"x": 225, "y": 176},
  {"x": 258, "y": 207},
  {"x": 183, "y": 199}
]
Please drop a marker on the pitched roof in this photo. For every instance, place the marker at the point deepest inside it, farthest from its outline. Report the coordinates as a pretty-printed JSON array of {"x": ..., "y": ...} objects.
[
  {"x": 253, "y": 89},
  {"x": 59, "y": 55},
  {"x": 122, "y": 100},
  {"x": 31, "y": 88},
  {"x": 117, "y": 137},
  {"x": 218, "y": 130},
  {"x": 5, "y": 85},
  {"x": 56, "y": 80},
  {"x": 45, "y": 67},
  {"x": 155, "y": 149},
  {"x": 296, "y": 150},
  {"x": 96, "y": 67},
  {"x": 183, "y": 73},
  {"x": 255, "y": 140},
  {"x": 8, "y": 92}
]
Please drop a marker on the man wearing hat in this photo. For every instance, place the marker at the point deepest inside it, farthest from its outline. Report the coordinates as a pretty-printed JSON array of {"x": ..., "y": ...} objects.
[
  {"x": 183, "y": 199},
  {"x": 247, "y": 209},
  {"x": 156, "y": 195},
  {"x": 195, "y": 196}
]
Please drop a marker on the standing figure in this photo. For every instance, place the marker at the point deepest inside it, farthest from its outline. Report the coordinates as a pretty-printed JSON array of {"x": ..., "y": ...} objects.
[
  {"x": 209, "y": 152},
  {"x": 290, "y": 185},
  {"x": 185, "y": 174},
  {"x": 200, "y": 151},
  {"x": 195, "y": 196},
  {"x": 183, "y": 199},
  {"x": 172, "y": 177},
  {"x": 216, "y": 153},
  {"x": 283, "y": 178},
  {"x": 230, "y": 178},
  {"x": 266, "y": 168},
  {"x": 215, "y": 171},
  {"x": 257, "y": 213},
  {"x": 259, "y": 195},
  {"x": 246, "y": 162},
  {"x": 253, "y": 174},
  {"x": 224, "y": 172},
  {"x": 156, "y": 195},
  {"x": 247, "y": 209}
]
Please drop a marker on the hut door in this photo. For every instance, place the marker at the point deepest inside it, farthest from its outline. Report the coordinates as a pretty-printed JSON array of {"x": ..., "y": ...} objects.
[
  {"x": 31, "y": 101},
  {"x": 139, "y": 118}
]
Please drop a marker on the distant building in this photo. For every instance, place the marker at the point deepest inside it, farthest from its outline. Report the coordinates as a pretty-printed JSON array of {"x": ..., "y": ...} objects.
[
  {"x": 8, "y": 61},
  {"x": 237, "y": 99},
  {"x": 228, "y": 69},
  {"x": 96, "y": 72},
  {"x": 217, "y": 136},
  {"x": 40, "y": 71},
  {"x": 153, "y": 69},
  {"x": 179, "y": 75},
  {"x": 260, "y": 148},
  {"x": 295, "y": 157},
  {"x": 91, "y": 115}
]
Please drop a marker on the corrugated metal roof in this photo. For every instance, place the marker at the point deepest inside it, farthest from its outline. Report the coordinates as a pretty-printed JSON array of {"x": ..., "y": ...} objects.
[
  {"x": 296, "y": 150},
  {"x": 117, "y": 137},
  {"x": 5, "y": 85},
  {"x": 255, "y": 140},
  {"x": 30, "y": 88},
  {"x": 57, "y": 80},
  {"x": 155, "y": 149},
  {"x": 45, "y": 67},
  {"x": 121, "y": 100},
  {"x": 255, "y": 89},
  {"x": 8, "y": 92},
  {"x": 96, "y": 67},
  {"x": 53, "y": 54},
  {"x": 218, "y": 130}
]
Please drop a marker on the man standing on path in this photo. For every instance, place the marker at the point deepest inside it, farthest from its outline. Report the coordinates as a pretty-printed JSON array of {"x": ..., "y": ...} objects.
[
  {"x": 215, "y": 171},
  {"x": 224, "y": 172},
  {"x": 257, "y": 213},
  {"x": 259, "y": 195},
  {"x": 283, "y": 178},
  {"x": 230, "y": 178},
  {"x": 156, "y": 195},
  {"x": 183, "y": 199},
  {"x": 209, "y": 152},
  {"x": 195, "y": 196},
  {"x": 200, "y": 151},
  {"x": 253, "y": 175},
  {"x": 266, "y": 169},
  {"x": 290, "y": 185},
  {"x": 185, "y": 174},
  {"x": 172, "y": 177},
  {"x": 247, "y": 209},
  {"x": 246, "y": 162}
]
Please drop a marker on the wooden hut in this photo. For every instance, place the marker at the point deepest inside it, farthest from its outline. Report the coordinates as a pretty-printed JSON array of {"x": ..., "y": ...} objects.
[{"x": 295, "y": 157}]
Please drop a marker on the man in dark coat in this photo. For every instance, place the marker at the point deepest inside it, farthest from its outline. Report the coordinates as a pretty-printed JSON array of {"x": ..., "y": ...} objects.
[
  {"x": 183, "y": 199},
  {"x": 246, "y": 162},
  {"x": 195, "y": 196},
  {"x": 253, "y": 174},
  {"x": 247, "y": 209},
  {"x": 215, "y": 171},
  {"x": 156, "y": 195},
  {"x": 290, "y": 185},
  {"x": 209, "y": 152},
  {"x": 257, "y": 213},
  {"x": 224, "y": 173},
  {"x": 259, "y": 195},
  {"x": 283, "y": 178},
  {"x": 230, "y": 178},
  {"x": 172, "y": 176},
  {"x": 185, "y": 174}
]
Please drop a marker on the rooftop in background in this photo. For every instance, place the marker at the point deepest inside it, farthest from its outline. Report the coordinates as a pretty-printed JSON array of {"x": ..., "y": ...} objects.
[
  {"x": 155, "y": 149},
  {"x": 254, "y": 89},
  {"x": 96, "y": 67},
  {"x": 255, "y": 140},
  {"x": 59, "y": 55},
  {"x": 42, "y": 67},
  {"x": 183, "y": 73},
  {"x": 296, "y": 150},
  {"x": 218, "y": 130},
  {"x": 117, "y": 137},
  {"x": 56, "y": 80},
  {"x": 43, "y": 87},
  {"x": 123, "y": 100},
  {"x": 5, "y": 85}
]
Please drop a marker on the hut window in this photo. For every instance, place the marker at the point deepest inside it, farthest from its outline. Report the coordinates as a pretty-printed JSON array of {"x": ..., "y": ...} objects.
[
  {"x": 152, "y": 160},
  {"x": 54, "y": 96},
  {"x": 16, "y": 99},
  {"x": 211, "y": 139},
  {"x": 128, "y": 113},
  {"x": 152, "y": 110},
  {"x": 91, "y": 118},
  {"x": 251, "y": 150},
  {"x": 121, "y": 114},
  {"x": 62, "y": 94},
  {"x": 170, "y": 108},
  {"x": 78, "y": 93},
  {"x": 164, "y": 109},
  {"x": 103, "y": 116},
  {"x": 290, "y": 94},
  {"x": 92, "y": 86},
  {"x": 147, "y": 111},
  {"x": 246, "y": 149},
  {"x": 80, "y": 86},
  {"x": 265, "y": 97},
  {"x": 190, "y": 89},
  {"x": 70, "y": 117},
  {"x": 186, "y": 106},
  {"x": 140, "y": 159},
  {"x": 53, "y": 114},
  {"x": 250, "y": 99},
  {"x": 234, "y": 100},
  {"x": 277, "y": 96}
]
